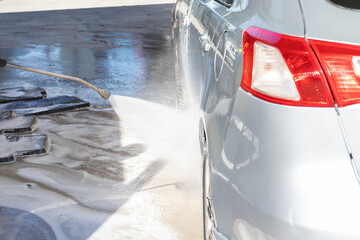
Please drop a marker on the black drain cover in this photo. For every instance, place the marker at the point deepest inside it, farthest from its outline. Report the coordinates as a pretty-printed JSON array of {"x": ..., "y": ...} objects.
[
  {"x": 44, "y": 106},
  {"x": 17, "y": 124},
  {"x": 21, "y": 225},
  {"x": 16, "y": 146},
  {"x": 19, "y": 94}
]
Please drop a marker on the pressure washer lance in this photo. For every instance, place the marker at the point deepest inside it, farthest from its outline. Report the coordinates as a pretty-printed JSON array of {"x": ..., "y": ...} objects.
[{"x": 103, "y": 93}]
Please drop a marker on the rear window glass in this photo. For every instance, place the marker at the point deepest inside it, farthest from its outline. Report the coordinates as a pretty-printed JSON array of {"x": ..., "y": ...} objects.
[{"x": 355, "y": 4}]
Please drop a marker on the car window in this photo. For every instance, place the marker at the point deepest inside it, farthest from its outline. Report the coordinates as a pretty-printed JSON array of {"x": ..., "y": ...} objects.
[
  {"x": 355, "y": 4},
  {"x": 226, "y": 3}
]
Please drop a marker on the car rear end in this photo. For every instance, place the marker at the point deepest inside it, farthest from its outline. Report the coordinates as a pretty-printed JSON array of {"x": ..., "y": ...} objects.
[{"x": 291, "y": 158}]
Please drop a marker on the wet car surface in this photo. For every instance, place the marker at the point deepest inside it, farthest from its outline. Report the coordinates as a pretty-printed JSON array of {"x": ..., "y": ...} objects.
[
  {"x": 276, "y": 88},
  {"x": 114, "y": 171}
]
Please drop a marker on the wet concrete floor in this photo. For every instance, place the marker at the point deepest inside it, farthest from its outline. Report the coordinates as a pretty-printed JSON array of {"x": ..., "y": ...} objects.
[{"x": 124, "y": 169}]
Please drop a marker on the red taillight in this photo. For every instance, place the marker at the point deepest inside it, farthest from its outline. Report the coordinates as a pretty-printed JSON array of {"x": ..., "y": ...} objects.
[
  {"x": 285, "y": 69},
  {"x": 341, "y": 65}
]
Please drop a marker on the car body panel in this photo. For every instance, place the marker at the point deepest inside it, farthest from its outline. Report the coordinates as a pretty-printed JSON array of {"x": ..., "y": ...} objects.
[
  {"x": 326, "y": 20},
  {"x": 217, "y": 93},
  {"x": 278, "y": 172},
  {"x": 218, "y": 97},
  {"x": 350, "y": 118},
  {"x": 285, "y": 185},
  {"x": 321, "y": 25},
  {"x": 199, "y": 25}
]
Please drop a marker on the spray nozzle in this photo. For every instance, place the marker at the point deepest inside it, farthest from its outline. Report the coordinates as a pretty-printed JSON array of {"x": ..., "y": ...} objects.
[{"x": 3, "y": 62}]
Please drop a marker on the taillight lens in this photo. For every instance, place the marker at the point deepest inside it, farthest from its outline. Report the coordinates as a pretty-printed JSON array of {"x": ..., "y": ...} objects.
[
  {"x": 341, "y": 65},
  {"x": 283, "y": 69},
  {"x": 271, "y": 76}
]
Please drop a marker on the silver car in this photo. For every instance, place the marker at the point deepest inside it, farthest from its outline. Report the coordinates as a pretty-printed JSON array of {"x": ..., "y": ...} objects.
[{"x": 277, "y": 85}]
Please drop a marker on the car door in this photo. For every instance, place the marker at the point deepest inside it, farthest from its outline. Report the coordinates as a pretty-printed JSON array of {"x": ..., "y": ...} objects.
[
  {"x": 203, "y": 23},
  {"x": 221, "y": 83},
  {"x": 223, "y": 76}
]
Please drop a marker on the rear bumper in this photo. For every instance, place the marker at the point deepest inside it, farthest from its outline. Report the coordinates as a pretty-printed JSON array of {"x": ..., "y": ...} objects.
[{"x": 284, "y": 173}]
